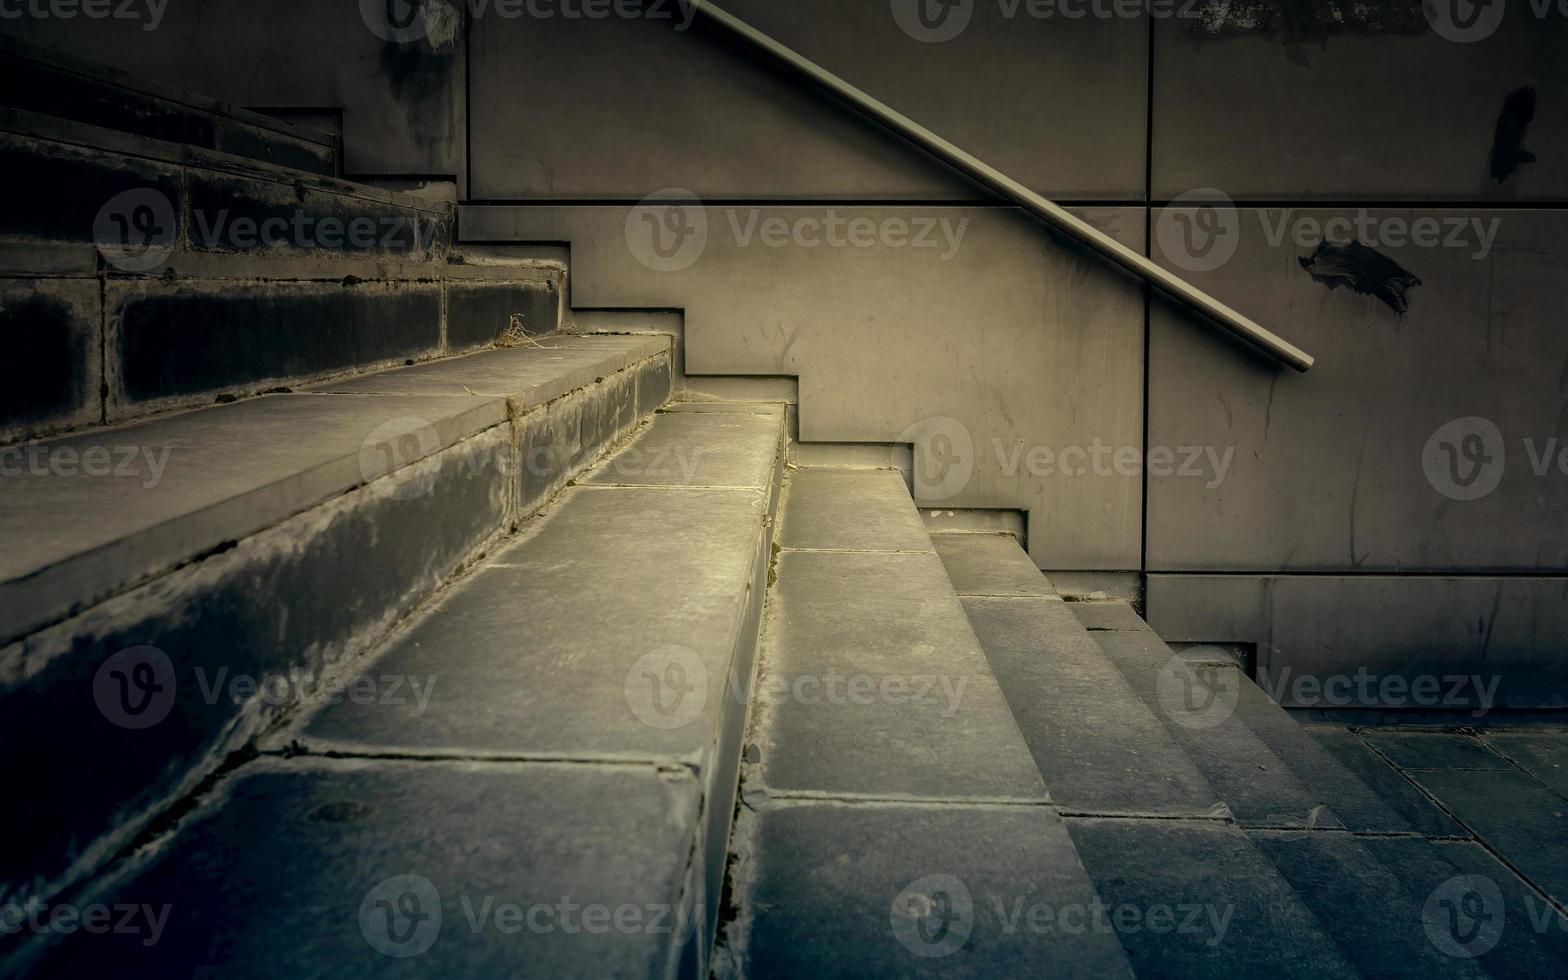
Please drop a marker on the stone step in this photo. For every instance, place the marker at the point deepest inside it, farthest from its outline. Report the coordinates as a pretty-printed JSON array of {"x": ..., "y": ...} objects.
[
  {"x": 879, "y": 724},
  {"x": 1097, "y": 745},
  {"x": 52, "y": 83},
  {"x": 1267, "y": 770},
  {"x": 158, "y": 571},
  {"x": 1194, "y": 898},
  {"x": 620, "y": 631}
]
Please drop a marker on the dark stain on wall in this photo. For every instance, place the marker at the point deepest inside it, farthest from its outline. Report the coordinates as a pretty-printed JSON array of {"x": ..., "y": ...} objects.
[
  {"x": 47, "y": 356},
  {"x": 1508, "y": 152},
  {"x": 1363, "y": 269}
]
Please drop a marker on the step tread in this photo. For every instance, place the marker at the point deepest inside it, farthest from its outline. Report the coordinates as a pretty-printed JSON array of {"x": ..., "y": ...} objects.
[
  {"x": 852, "y": 510},
  {"x": 1379, "y": 926},
  {"x": 1265, "y": 767},
  {"x": 990, "y": 565},
  {"x": 231, "y": 470},
  {"x": 1097, "y": 745},
  {"x": 698, "y": 450},
  {"x": 1246, "y": 920},
  {"x": 546, "y": 651},
  {"x": 828, "y": 891},
  {"x": 283, "y": 876}
]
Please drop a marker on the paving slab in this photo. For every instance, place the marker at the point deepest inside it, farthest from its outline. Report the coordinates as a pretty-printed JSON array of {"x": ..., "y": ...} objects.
[
  {"x": 1108, "y": 614},
  {"x": 1350, "y": 751},
  {"x": 559, "y": 647},
  {"x": 1096, "y": 743},
  {"x": 1380, "y": 927},
  {"x": 1435, "y": 750},
  {"x": 529, "y": 376},
  {"x": 1544, "y": 755},
  {"x": 412, "y": 869},
  {"x": 1265, "y": 768},
  {"x": 851, "y": 510},
  {"x": 179, "y": 486},
  {"x": 872, "y": 683},
  {"x": 1230, "y": 913},
  {"x": 1512, "y": 932},
  {"x": 988, "y": 892},
  {"x": 990, "y": 565},
  {"x": 1520, "y": 819},
  {"x": 696, "y": 450}
]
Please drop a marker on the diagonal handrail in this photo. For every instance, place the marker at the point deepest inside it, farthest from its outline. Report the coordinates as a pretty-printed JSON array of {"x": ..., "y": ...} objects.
[{"x": 1052, "y": 214}]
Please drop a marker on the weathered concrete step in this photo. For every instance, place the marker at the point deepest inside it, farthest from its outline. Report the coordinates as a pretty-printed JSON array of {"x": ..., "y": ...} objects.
[
  {"x": 54, "y": 84},
  {"x": 162, "y": 617},
  {"x": 873, "y": 684},
  {"x": 621, "y": 629},
  {"x": 370, "y": 869},
  {"x": 1266, "y": 769},
  {"x": 1194, "y": 898},
  {"x": 899, "y": 890},
  {"x": 1096, "y": 743}
]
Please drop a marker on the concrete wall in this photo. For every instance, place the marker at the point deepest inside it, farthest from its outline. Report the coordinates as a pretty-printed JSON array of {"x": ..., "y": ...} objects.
[{"x": 1420, "y": 451}]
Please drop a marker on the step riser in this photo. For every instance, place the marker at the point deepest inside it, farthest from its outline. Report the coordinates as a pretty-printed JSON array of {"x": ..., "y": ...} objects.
[
  {"x": 225, "y": 617},
  {"x": 188, "y": 342}
]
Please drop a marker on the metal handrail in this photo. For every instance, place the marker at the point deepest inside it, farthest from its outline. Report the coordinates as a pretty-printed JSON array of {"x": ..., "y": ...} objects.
[{"x": 1052, "y": 214}]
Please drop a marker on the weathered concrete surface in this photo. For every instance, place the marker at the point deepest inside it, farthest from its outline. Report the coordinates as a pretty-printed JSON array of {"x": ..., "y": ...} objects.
[
  {"x": 1097, "y": 745},
  {"x": 1520, "y": 935},
  {"x": 1108, "y": 614},
  {"x": 1012, "y": 346},
  {"x": 1379, "y": 926},
  {"x": 52, "y": 329},
  {"x": 1277, "y": 102},
  {"x": 560, "y": 647},
  {"x": 872, "y": 684},
  {"x": 697, "y": 450},
  {"x": 1241, "y": 918},
  {"x": 55, "y": 209},
  {"x": 1264, "y": 767},
  {"x": 989, "y": 565},
  {"x": 1344, "y": 469},
  {"x": 1310, "y": 630},
  {"x": 478, "y": 313},
  {"x": 112, "y": 713},
  {"x": 170, "y": 342},
  {"x": 1351, "y": 751},
  {"x": 1520, "y": 819},
  {"x": 1543, "y": 756},
  {"x": 362, "y": 869},
  {"x": 199, "y": 480},
  {"x": 1435, "y": 750},
  {"x": 528, "y": 376},
  {"x": 827, "y": 890},
  {"x": 726, "y": 126},
  {"x": 851, "y": 510}
]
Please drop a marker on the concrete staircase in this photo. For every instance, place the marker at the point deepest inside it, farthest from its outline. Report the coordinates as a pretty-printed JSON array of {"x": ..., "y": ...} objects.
[{"x": 348, "y": 630}]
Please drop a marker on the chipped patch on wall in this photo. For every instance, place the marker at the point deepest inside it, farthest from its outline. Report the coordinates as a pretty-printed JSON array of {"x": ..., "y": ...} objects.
[
  {"x": 1364, "y": 270},
  {"x": 1297, "y": 22},
  {"x": 1508, "y": 152}
]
